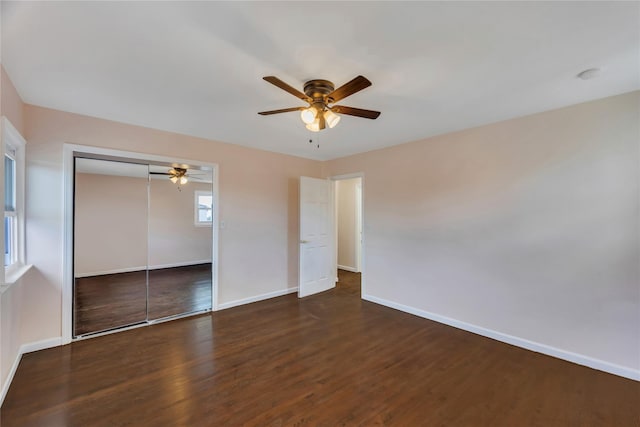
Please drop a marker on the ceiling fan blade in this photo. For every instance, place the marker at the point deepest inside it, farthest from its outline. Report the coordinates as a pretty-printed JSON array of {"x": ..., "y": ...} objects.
[
  {"x": 284, "y": 110},
  {"x": 348, "y": 89},
  {"x": 159, "y": 173},
  {"x": 358, "y": 112},
  {"x": 282, "y": 85}
]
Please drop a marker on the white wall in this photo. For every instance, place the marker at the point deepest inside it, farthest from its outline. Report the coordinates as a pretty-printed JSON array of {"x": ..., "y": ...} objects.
[
  {"x": 527, "y": 227},
  {"x": 347, "y": 223}
]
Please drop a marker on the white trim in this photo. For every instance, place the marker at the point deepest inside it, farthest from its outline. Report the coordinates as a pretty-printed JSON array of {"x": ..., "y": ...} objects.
[
  {"x": 257, "y": 298},
  {"x": 144, "y": 267},
  {"x": 114, "y": 271},
  {"x": 67, "y": 242},
  {"x": 40, "y": 345},
  {"x": 344, "y": 267},
  {"x": 569, "y": 356},
  {"x": 142, "y": 324},
  {"x": 24, "y": 349},
  {"x": 113, "y": 331},
  {"x": 9, "y": 379},
  {"x": 14, "y": 273},
  {"x": 180, "y": 264},
  {"x": 358, "y": 237},
  {"x": 68, "y": 152},
  {"x": 11, "y": 138}
]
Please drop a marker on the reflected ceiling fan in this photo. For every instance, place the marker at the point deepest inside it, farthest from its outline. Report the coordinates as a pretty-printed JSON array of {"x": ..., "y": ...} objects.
[
  {"x": 321, "y": 95},
  {"x": 178, "y": 175}
]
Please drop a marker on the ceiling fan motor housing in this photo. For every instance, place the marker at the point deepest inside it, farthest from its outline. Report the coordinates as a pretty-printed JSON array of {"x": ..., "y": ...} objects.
[{"x": 318, "y": 90}]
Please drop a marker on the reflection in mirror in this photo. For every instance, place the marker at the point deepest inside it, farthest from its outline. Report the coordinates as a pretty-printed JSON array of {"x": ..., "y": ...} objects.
[
  {"x": 180, "y": 241},
  {"x": 110, "y": 245}
]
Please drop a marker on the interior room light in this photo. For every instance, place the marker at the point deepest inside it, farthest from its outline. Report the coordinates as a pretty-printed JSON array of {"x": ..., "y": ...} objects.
[
  {"x": 308, "y": 115},
  {"x": 331, "y": 118},
  {"x": 174, "y": 179},
  {"x": 315, "y": 125},
  {"x": 184, "y": 180}
]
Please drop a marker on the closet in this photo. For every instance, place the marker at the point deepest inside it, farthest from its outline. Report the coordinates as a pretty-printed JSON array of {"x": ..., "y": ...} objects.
[{"x": 142, "y": 243}]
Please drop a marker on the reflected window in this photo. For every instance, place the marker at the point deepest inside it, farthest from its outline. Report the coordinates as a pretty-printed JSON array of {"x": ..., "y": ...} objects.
[{"x": 203, "y": 208}]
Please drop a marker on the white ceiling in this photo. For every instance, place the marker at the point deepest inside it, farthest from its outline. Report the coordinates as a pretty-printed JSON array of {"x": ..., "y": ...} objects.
[{"x": 196, "y": 67}]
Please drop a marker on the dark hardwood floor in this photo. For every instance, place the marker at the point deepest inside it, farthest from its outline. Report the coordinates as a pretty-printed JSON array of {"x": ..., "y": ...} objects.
[
  {"x": 114, "y": 300},
  {"x": 326, "y": 360}
]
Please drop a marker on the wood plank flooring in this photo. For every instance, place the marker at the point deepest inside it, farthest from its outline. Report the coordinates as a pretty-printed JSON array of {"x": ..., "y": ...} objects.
[
  {"x": 326, "y": 360},
  {"x": 114, "y": 300}
]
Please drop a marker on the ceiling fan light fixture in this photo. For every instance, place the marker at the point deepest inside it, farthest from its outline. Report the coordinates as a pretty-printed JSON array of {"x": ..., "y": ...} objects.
[
  {"x": 319, "y": 94},
  {"x": 308, "y": 115},
  {"x": 315, "y": 125},
  {"x": 173, "y": 179},
  {"x": 184, "y": 180},
  {"x": 331, "y": 118}
]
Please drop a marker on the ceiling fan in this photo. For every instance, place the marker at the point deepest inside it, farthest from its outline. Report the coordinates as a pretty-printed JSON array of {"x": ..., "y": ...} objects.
[
  {"x": 176, "y": 175},
  {"x": 321, "y": 96}
]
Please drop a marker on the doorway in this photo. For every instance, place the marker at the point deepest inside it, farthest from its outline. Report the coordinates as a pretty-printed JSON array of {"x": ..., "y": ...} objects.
[
  {"x": 141, "y": 241},
  {"x": 319, "y": 265},
  {"x": 349, "y": 236}
]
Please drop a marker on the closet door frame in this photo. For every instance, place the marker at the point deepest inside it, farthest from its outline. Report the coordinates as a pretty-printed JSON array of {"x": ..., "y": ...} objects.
[{"x": 70, "y": 151}]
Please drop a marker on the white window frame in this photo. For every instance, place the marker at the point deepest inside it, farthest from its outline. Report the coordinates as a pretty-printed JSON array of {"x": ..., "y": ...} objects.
[
  {"x": 196, "y": 208},
  {"x": 14, "y": 144}
]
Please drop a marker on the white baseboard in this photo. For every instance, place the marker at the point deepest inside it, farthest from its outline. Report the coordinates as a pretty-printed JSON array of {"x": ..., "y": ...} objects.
[
  {"x": 12, "y": 372},
  {"x": 344, "y": 267},
  {"x": 256, "y": 298},
  {"x": 579, "y": 359},
  {"x": 114, "y": 271},
  {"x": 24, "y": 349},
  {"x": 40, "y": 345},
  {"x": 142, "y": 268},
  {"x": 179, "y": 264}
]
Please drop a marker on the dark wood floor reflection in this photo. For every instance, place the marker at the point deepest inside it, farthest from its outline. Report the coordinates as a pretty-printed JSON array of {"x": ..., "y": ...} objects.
[
  {"x": 179, "y": 290},
  {"x": 326, "y": 360},
  {"x": 113, "y": 300}
]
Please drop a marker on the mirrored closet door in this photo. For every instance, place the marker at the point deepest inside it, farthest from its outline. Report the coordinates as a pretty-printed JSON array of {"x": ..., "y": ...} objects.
[
  {"x": 180, "y": 218},
  {"x": 142, "y": 243},
  {"x": 110, "y": 245}
]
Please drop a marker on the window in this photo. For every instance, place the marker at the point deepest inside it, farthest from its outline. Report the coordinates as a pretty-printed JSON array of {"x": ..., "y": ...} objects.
[
  {"x": 203, "y": 208},
  {"x": 13, "y": 146}
]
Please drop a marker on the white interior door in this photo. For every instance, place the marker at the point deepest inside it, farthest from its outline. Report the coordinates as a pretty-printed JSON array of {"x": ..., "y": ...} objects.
[{"x": 317, "y": 257}]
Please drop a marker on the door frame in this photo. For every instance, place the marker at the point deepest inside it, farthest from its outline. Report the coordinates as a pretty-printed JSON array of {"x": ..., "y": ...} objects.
[
  {"x": 362, "y": 226},
  {"x": 68, "y": 170}
]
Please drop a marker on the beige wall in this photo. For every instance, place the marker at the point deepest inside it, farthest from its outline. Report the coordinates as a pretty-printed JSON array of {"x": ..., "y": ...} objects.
[
  {"x": 528, "y": 227},
  {"x": 347, "y": 222},
  {"x": 258, "y": 248},
  {"x": 173, "y": 236},
  {"x": 12, "y": 308},
  {"x": 110, "y": 224},
  {"x": 11, "y": 105}
]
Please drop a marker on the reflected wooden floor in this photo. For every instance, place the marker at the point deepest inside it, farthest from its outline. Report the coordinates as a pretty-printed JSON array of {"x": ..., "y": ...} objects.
[
  {"x": 326, "y": 360},
  {"x": 113, "y": 300}
]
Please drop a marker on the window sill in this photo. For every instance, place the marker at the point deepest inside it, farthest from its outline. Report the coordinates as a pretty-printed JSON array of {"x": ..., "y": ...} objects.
[{"x": 13, "y": 274}]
